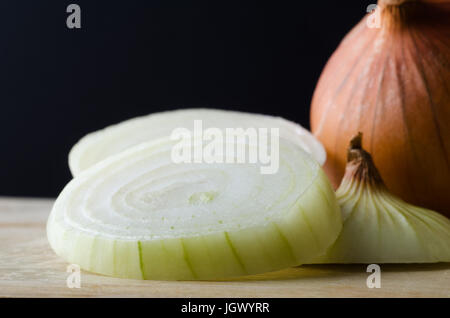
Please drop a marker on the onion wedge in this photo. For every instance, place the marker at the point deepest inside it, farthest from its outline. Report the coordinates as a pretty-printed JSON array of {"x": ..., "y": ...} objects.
[
  {"x": 137, "y": 214},
  {"x": 101, "y": 144},
  {"x": 379, "y": 227}
]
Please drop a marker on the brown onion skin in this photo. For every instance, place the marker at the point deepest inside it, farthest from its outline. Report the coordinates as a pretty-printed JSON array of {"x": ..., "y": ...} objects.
[{"x": 393, "y": 85}]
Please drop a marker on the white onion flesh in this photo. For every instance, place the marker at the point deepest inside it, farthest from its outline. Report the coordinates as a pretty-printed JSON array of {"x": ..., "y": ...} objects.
[
  {"x": 137, "y": 214},
  {"x": 381, "y": 228},
  {"x": 101, "y": 144}
]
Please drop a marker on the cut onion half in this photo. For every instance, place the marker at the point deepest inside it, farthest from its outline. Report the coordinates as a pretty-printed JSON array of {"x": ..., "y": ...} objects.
[
  {"x": 111, "y": 140},
  {"x": 139, "y": 215}
]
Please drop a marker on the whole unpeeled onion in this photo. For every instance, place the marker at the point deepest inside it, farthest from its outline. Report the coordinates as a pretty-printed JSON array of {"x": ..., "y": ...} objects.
[{"x": 392, "y": 83}]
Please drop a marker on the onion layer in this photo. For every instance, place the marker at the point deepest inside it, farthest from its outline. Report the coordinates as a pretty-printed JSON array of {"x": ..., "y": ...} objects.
[
  {"x": 101, "y": 144},
  {"x": 378, "y": 226},
  {"x": 139, "y": 215}
]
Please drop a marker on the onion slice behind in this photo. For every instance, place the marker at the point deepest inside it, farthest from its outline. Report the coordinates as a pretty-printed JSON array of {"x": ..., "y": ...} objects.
[{"x": 111, "y": 140}]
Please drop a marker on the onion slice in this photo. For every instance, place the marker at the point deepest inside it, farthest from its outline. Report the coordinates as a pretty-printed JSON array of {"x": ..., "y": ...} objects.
[
  {"x": 139, "y": 215},
  {"x": 101, "y": 144}
]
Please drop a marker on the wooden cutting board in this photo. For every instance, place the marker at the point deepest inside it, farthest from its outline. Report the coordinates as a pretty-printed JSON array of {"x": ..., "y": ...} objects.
[{"x": 29, "y": 268}]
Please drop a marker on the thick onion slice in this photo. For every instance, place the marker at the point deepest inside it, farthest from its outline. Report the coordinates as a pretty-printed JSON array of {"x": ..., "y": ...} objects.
[
  {"x": 101, "y": 144},
  {"x": 139, "y": 215}
]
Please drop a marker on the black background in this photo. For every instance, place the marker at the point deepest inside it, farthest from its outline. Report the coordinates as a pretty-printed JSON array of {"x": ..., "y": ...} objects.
[{"x": 132, "y": 58}]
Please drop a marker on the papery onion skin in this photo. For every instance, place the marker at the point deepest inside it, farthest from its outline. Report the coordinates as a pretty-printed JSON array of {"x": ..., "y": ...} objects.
[
  {"x": 393, "y": 84},
  {"x": 305, "y": 227},
  {"x": 378, "y": 226}
]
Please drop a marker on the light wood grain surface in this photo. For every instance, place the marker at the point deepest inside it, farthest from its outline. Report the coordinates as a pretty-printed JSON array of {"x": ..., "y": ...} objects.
[{"x": 29, "y": 268}]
